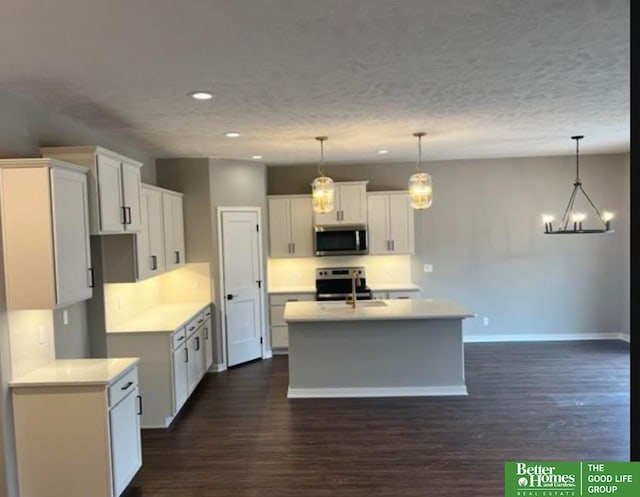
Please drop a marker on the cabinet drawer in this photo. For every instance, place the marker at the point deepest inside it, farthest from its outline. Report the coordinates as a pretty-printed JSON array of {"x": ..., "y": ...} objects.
[
  {"x": 207, "y": 312},
  {"x": 379, "y": 295},
  {"x": 276, "y": 315},
  {"x": 192, "y": 325},
  {"x": 410, "y": 294},
  {"x": 283, "y": 298},
  {"x": 279, "y": 337},
  {"x": 178, "y": 338},
  {"x": 121, "y": 387}
]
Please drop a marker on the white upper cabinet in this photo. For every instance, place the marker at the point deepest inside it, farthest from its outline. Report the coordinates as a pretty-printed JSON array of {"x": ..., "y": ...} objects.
[
  {"x": 290, "y": 226},
  {"x": 173, "y": 219},
  {"x": 150, "y": 241},
  {"x": 350, "y": 205},
  {"x": 114, "y": 187},
  {"x": 391, "y": 223},
  {"x": 45, "y": 230}
]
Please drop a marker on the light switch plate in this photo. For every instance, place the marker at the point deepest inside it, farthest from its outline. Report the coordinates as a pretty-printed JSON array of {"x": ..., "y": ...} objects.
[
  {"x": 65, "y": 316},
  {"x": 42, "y": 335},
  {"x": 428, "y": 268}
]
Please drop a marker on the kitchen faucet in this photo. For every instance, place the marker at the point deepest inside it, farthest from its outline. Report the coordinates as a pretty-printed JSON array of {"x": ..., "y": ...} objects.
[{"x": 355, "y": 282}]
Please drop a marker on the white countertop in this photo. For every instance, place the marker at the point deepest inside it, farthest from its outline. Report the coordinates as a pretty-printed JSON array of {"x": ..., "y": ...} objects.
[
  {"x": 76, "y": 372},
  {"x": 163, "y": 318},
  {"x": 367, "y": 310}
]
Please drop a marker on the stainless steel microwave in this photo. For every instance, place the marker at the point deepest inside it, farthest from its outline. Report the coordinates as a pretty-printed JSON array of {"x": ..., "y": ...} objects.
[{"x": 341, "y": 239}]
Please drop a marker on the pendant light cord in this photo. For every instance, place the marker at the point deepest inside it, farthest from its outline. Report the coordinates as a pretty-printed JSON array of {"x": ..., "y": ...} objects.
[
  {"x": 321, "y": 139},
  {"x": 419, "y": 135}
]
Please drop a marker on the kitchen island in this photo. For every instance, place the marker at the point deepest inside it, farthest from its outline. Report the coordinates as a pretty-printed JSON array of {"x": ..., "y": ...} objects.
[{"x": 380, "y": 348}]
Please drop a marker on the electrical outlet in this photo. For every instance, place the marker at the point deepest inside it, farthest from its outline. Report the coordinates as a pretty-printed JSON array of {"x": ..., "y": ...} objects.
[
  {"x": 485, "y": 321},
  {"x": 428, "y": 268},
  {"x": 65, "y": 317},
  {"x": 42, "y": 335}
]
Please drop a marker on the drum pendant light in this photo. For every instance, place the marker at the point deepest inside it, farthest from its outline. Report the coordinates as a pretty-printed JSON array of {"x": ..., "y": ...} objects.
[
  {"x": 420, "y": 186},
  {"x": 322, "y": 188}
]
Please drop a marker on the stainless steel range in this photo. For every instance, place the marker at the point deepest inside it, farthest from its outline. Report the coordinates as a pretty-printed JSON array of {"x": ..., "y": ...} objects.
[{"x": 334, "y": 283}]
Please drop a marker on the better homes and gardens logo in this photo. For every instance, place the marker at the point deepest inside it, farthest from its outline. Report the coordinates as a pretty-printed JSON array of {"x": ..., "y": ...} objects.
[{"x": 571, "y": 479}]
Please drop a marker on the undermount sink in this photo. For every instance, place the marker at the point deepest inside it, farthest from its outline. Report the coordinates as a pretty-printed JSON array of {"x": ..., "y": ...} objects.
[{"x": 332, "y": 306}]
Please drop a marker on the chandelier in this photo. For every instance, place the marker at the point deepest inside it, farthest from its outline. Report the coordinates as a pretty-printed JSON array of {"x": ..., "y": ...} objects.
[
  {"x": 420, "y": 187},
  {"x": 576, "y": 218},
  {"x": 322, "y": 188}
]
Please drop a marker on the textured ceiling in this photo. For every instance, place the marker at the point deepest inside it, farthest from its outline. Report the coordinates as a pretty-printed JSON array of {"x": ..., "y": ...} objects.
[{"x": 483, "y": 78}]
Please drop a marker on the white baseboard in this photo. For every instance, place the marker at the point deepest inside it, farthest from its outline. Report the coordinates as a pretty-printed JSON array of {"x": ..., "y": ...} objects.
[
  {"x": 280, "y": 351},
  {"x": 267, "y": 354},
  {"x": 547, "y": 337},
  {"x": 306, "y": 393},
  {"x": 625, "y": 337},
  {"x": 217, "y": 368}
]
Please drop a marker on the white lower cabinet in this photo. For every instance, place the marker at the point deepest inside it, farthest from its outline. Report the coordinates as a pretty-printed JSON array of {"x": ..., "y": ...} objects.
[
  {"x": 277, "y": 324},
  {"x": 78, "y": 437},
  {"x": 396, "y": 294},
  {"x": 172, "y": 363},
  {"x": 208, "y": 340}
]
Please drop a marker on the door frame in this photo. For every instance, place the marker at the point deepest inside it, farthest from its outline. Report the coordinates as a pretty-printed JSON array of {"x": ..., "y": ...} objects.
[{"x": 223, "y": 312}]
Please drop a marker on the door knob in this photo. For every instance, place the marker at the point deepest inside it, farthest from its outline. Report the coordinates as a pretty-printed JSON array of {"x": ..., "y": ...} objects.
[{"x": 230, "y": 297}]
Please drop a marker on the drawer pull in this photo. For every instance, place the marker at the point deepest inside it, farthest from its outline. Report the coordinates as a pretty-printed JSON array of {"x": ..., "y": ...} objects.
[
  {"x": 126, "y": 386},
  {"x": 200, "y": 321},
  {"x": 292, "y": 300},
  {"x": 139, "y": 397},
  {"x": 191, "y": 328},
  {"x": 180, "y": 338}
]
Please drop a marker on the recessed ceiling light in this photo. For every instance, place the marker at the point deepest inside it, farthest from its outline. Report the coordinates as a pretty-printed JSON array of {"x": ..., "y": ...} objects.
[
  {"x": 201, "y": 95},
  {"x": 256, "y": 156},
  {"x": 232, "y": 134},
  {"x": 381, "y": 152}
]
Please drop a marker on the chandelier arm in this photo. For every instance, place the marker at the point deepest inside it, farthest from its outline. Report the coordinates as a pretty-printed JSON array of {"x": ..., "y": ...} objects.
[
  {"x": 592, "y": 204},
  {"x": 572, "y": 198}
]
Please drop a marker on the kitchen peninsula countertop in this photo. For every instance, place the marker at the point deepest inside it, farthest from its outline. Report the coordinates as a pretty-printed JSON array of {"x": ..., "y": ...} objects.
[
  {"x": 162, "y": 318},
  {"x": 375, "y": 310},
  {"x": 76, "y": 372}
]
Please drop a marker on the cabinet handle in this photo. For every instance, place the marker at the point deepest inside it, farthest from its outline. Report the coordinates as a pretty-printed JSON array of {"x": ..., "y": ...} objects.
[
  {"x": 139, "y": 397},
  {"x": 177, "y": 257},
  {"x": 200, "y": 321},
  {"x": 197, "y": 343},
  {"x": 124, "y": 214},
  {"x": 293, "y": 246},
  {"x": 180, "y": 338},
  {"x": 154, "y": 262},
  {"x": 92, "y": 281},
  {"x": 129, "y": 212},
  {"x": 191, "y": 328},
  {"x": 186, "y": 354},
  {"x": 393, "y": 245},
  {"x": 127, "y": 386},
  {"x": 206, "y": 333},
  {"x": 292, "y": 300},
  {"x": 288, "y": 248}
]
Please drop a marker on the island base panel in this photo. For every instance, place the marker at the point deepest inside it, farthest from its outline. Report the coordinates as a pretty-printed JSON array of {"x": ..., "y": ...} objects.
[{"x": 376, "y": 358}]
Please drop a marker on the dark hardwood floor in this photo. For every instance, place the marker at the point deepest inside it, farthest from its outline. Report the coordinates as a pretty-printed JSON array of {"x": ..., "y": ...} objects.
[{"x": 239, "y": 436}]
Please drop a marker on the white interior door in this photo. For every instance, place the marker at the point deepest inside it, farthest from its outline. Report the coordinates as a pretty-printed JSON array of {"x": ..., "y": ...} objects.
[{"x": 242, "y": 282}]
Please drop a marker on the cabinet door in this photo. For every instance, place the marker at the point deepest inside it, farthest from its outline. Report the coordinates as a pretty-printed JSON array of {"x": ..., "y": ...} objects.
[
  {"x": 194, "y": 361},
  {"x": 279, "y": 227},
  {"x": 156, "y": 232},
  {"x": 208, "y": 344},
  {"x": 168, "y": 226},
  {"x": 111, "y": 203},
  {"x": 180, "y": 380},
  {"x": 131, "y": 197},
  {"x": 407, "y": 294},
  {"x": 353, "y": 204},
  {"x": 301, "y": 219},
  {"x": 177, "y": 212},
  {"x": 330, "y": 218},
  {"x": 143, "y": 248},
  {"x": 126, "y": 452},
  {"x": 71, "y": 236},
  {"x": 401, "y": 225},
  {"x": 378, "y": 224}
]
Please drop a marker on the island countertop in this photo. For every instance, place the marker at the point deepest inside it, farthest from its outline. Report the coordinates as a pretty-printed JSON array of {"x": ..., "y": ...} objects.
[{"x": 375, "y": 310}]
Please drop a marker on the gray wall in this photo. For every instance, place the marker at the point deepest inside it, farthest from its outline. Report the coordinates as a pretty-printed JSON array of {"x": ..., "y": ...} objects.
[
  {"x": 209, "y": 184},
  {"x": 484, "y": 237},
  {"x": 25, "y": 126}
]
